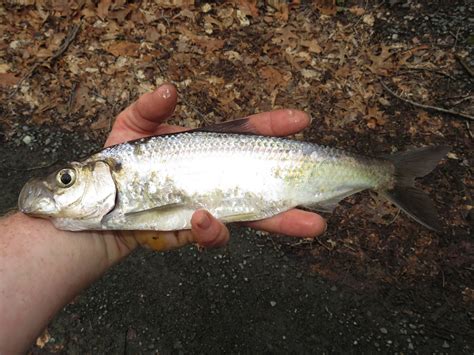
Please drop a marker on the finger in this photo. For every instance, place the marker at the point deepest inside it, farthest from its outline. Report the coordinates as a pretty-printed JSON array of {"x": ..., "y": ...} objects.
[
  {"x": 143, "y": 117},
  {"x": 280, "y": 122},
  {"x": 208, "y": 231},
  {"x": 294, "y": 223}
]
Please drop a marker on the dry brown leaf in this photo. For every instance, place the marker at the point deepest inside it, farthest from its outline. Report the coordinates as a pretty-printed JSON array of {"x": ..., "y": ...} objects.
[
  {"x": 152, "y": 34},
  {"x": 286, "y": 37},
  {"x": 209, "y": 44},
  {"x": 43, "y": 339},
  {"x": 103, "y": 8},
  {"x": 312, "y": 45},
  {"x": 357, "y": 10},
  {"x": 375, "y": 117},
  {"x": 4, "y": 67},
  {"x": 8, "y": 79},
  {"x": 102, "y": 123},
  {"x": 282, "y": 8},
  {"x": 125, "y": 48},
  {"x": 273, "y": 77},
  {"x": 326, "y": 7},
  {"x": 381, "y": 63},
  {"x": 174, "y": 3},
  {"x": 368, "y": 19},
  {"x": 248, "y": 7},
  {"x": 468, "y": 295}
]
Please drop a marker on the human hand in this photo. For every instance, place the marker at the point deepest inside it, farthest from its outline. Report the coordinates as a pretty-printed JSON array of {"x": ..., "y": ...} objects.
[
  {"x": 43, "y": 268},
  {"x": 146, "y": 117}
]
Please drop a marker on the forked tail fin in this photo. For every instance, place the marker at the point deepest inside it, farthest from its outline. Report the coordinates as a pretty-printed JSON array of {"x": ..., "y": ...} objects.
[{"x": 408, "y": 166}]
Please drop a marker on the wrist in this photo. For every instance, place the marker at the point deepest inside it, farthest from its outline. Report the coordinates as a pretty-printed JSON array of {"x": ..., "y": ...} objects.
[{"x": 53, "y": 265}]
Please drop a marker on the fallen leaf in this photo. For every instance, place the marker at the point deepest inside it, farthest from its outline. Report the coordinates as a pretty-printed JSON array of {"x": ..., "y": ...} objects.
[
  {"x": 326, "y": 7},
  {"x": 209, "y": 44},
  {"x": 468, "y": 295},
  {"x": 312, "y": 46},
  {"x": 286, "y": 37},
  {"x": 43, "y": 339},
  {"x": 174, "y": 3},
  {"x": 369, "y": 19},
  {"x": 125, "y": 48},
  {"x": 4, "y": 67},
  {"x": 101, "y": 123},
  {"x": 248, "y": 7},
  {"x": 273, "y": 77},
  {"x": 281, "y": 7},
  {"x": 103, "y": 9},
  {"x": 357, "y": 10},
  {"x": 8, "y": 79}
]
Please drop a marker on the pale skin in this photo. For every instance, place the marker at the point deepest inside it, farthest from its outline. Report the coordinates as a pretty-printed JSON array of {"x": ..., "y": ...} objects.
[{"x": 42, "y": 268}]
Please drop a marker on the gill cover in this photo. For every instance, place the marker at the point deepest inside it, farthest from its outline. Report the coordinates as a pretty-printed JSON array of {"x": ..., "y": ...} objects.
[{"x": 75, "y": 198}]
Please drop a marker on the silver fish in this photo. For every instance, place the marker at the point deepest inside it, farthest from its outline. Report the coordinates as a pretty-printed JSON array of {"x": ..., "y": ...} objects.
[{"x": 156, "y": 183}]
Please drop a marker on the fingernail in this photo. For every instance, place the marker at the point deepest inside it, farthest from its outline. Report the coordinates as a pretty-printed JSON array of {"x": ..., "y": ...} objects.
[
  {"x": 204, "y": 221},
  {"x": 166, "y": 93}
]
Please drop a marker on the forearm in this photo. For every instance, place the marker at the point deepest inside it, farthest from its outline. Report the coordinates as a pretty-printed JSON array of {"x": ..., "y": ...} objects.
[{"x": 41, "y": 270}]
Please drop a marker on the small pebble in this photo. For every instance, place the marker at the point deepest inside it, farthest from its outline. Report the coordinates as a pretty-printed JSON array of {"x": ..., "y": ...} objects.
[
  {"x": 384, "y": 330},
  {"x": 27, "y": 139},
  {"x": 273, "y": 303},
  {"x": 445, "y": 345}
]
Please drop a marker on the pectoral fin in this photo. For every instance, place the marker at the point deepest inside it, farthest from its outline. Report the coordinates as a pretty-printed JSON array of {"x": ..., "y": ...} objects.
[
  {"x": 157, "y": 209},
  {"x": 240, "y": 217}
]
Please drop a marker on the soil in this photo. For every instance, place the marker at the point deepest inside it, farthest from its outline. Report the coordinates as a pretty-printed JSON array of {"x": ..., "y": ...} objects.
[{"x": 374, "y": 282}]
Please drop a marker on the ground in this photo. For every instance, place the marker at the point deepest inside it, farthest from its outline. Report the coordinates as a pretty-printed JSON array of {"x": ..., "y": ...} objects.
[{"x": 376, "y": 281}]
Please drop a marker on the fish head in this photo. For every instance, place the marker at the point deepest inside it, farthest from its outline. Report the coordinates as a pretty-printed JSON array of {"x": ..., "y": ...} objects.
[{"x": 75, "y": 197}]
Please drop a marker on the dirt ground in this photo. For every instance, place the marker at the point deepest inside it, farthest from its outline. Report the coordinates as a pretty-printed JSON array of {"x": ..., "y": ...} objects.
[{"x": 375, "y": 282}]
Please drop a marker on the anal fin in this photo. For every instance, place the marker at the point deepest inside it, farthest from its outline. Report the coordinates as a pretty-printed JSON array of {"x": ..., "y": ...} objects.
[{"x": 330, "y": 204}]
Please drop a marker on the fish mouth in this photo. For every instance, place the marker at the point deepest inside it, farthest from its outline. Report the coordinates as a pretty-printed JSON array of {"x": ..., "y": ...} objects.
[{"x": 36, "y": 199}]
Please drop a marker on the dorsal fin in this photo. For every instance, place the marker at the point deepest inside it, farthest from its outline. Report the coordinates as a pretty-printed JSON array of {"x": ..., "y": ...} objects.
[{"x": 242, "y": 126}]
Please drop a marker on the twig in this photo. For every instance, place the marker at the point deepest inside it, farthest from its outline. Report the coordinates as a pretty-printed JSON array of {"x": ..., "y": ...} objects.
[
  {"x": 439, "y": 72},
  {"x": 468, "y": 97},
  {"x": 468, "y": 127},
  {"x": 426, "y": 107},
  {"x": 72, "y": 96},
  {"x": 67, "y": 41},
  {"x": 465, "y": 66},
  {"x": 394, "y": 218}
]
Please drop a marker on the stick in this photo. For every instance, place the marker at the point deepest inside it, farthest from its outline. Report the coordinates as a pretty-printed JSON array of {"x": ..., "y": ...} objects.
[
  {"x": 426, "y": 107},
  {"x": 431, "y": 71},
  {"x": 465, "y": 66},
  {"x": 67, "y": 41}
]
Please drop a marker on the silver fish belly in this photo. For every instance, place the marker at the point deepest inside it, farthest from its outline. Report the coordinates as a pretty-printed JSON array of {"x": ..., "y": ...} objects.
[{"x": 162, "y": 180}]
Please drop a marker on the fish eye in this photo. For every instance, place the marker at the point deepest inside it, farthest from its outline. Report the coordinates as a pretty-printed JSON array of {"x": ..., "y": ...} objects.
[{"x": 66, "y": 177}]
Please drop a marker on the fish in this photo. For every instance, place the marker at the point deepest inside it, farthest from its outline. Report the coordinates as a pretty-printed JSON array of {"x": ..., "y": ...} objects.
[{"x": 158, "y": 182}]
